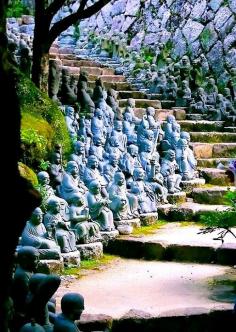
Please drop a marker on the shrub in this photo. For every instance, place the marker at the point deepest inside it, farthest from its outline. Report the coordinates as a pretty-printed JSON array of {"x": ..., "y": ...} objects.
[{"x": 17, "y": 9}]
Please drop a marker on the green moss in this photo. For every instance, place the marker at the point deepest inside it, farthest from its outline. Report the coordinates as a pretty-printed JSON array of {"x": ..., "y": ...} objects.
[
  {"x": 28, "y": 174},
  {"x": 17, "y": 9},
  {"x": 42, "y": 120},
  {"x": 88, "y": 265},
  {"x": 148, "y": 230}
]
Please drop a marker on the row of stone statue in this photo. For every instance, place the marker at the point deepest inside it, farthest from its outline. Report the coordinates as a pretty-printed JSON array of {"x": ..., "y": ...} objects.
[{"x": 31, "y": 307}]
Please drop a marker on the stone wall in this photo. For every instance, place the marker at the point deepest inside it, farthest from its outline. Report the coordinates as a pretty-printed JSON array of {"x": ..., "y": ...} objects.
[{"x": 190, "y": 27}]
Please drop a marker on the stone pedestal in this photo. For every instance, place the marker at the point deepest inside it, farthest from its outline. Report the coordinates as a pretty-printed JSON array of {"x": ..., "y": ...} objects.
[
  {"x": 177, "y": 198},
  {"x": 189, "y": 185},
  {"x": 108, "y": 236},
  {"x": 90, "y": 251},
  {"x": 148, "y": 218},
  {"x": 71, "y": 258},
  {"x": 135, "y": 223},
  {"x": 49, "y": 266}
]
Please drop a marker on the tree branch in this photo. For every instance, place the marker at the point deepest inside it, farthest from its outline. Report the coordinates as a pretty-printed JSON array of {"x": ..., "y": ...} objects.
[
  {"x": 54, "y": 7},
  {"x": 81, "y": 13}
]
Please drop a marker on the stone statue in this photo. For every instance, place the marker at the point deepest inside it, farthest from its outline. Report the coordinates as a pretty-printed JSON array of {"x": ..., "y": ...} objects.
[
  {"x": 71, "y": 182},
  {"x": 54, "y": 78},
  {"x": 111, "y": 100},
  {"x": 168, "y": 168},
  {"x": 32, "y": 327},
  {"x": 67, "y": 95},
  {"x": 129, "y": 128},
  {"x": 130, "y": 161},
  {"x": 36, "y": 235},
  {"x": 185, "y": 160},
  {"x": 99, "y": 207},
  {"x": 111, "y": 167},
  {"x": 117, "y": 131},
  {"x": 54, "y": 223},
  {"x": 56, "y": 169},
  {"x": 185, "y": 68},
  {"x": 87, "y": 106},
  {"x": 72, "y": 306},
  {"x": 123, "y": 204},
  {"x": 41, "y": 289},
  {"x": 79, "y": 156},
  {"x": 144, "y": 193},
  {"x": 71, "y": 122},
  {"x": 86, "y": 230},
  {"x": 157, "y": 181},
  {"x": 169, "y": 127},
  {"x": 171, "y": 88},
  {"x": 211, "y": 92},
  {"x": 154, "y": 125},
  {"x": 97, "y": 124},
  {"x": 25, "y": 61}
]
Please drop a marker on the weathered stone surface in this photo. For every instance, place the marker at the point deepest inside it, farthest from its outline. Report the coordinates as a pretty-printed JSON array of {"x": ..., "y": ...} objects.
[
  {"x": 189, "y": 185},
  {"x": 211, "y": 195},
  {"x": 224, "y": 150},
  {"x": 232, "y": 5},
  {"x": 227, "y": 27},
  {"x": 71, "y": 258},
  {"x": 125, "y": 229},
  {"x": 222, "y": 16},
  {"x": 208, "y": 37},
  {"x": 198, "y": 9},
  {"x": 148, "y": 219},
  {"x": 127, "y": 23},
  {"x": 137, "y": 40},
  {"x": 216, "y": 176},
  {"x": 215, "y": 57},
  {"x": 194, "y": 49},
  {"x": 230, "y": 40},
  {"x": 90, "y": 251},
  {"x": 117, "y": 23},
  {"x": 27, "y": 19},
  {"x": 132, "y": 7},
  {"x": 50, "y": 266},
  {"x": 231, "y": 57},
  {"x": 176, "y": 198},
  {"x": 180, "y": 45},
  {"x": 215, "y": 4},
  {"x": 118, "y": 7},
  {"x": 109, "y": 236},
  {"x": 213, "y": 162},
  {"x": 132, "y": 222},
  {"x": 202, "y": 150}
]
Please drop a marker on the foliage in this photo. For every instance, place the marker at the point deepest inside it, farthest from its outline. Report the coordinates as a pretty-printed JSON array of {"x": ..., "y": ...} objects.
[
  {"x": 44, "y": 165},
  {"x": 91, "y": 264},
  {"x": 221, "y": 221},
  {"x": 43, "y": 123},
  {"x": 76, "y": 31},
  {"x": 147, "y": 54},
  {"x": 17, "y": 9},
  {"x": 28, "y": 173}
]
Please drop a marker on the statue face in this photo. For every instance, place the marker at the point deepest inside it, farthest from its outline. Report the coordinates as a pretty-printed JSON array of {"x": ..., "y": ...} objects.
[
  {"x": 114, "y": 160},
  {"x": 134, "y": 151},
  {"x": 93, "y": 162},
  {"x": 139, "y": 174},
  {"x": 148, "y": 147},
  {"x": 96, "y": 188},
  {"x": 151, "y": 111},
  {"x": 44, "y": 179},
  {"x": 118, "y": 126},
  {"x": 120, "y": 179},
  {"x": 55, "y": 207},
  {"x": 171, "y": 156},
  {"x": 37, "y": 216},
  {"x": 57, "y": 159},
  {"x": 80, "y": 148},
  {"x": 74, "y": 170}
]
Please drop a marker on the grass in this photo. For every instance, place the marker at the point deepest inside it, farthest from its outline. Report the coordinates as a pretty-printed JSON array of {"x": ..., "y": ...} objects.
[
  {"x": 148, "y": 230},
  {"x": 90, "y": 265}
]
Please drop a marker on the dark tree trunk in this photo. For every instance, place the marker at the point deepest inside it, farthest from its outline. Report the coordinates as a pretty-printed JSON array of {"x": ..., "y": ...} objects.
[{"x": 16, "y": 192}]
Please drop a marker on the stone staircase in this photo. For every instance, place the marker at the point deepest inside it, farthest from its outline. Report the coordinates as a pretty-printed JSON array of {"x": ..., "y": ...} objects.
[{"x": 213, "y": 143}]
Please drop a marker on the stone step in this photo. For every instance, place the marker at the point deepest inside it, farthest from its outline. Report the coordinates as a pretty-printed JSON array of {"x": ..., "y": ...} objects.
[
  {"x": 167, "y": 103},
  {"x": 195, "y": 117},
  {"x": 230, "y": 129},
  {"x": 118, "y": 86},
  {"x": 108, "y": 78},
  {"x": 212, "y": 195},
  {"x": 79, "y": 63},
  {"x": 138, "y": 295},
  {"x": 213, "y": 137},
  {"x": 214, "y": 150},
  {"x": 154, "y": 96},
  {"x": 142, "y": 103},
  {"x": 131, "y": 94},
  {"x": 217, "y": 176},
  {"x": 201, "y": 126},
  {"x": 174, "y": 242},
  {"x": 187, "y": 211},
  {"x": 161, "y": 114},
  {"x": 213, "y": 162}
]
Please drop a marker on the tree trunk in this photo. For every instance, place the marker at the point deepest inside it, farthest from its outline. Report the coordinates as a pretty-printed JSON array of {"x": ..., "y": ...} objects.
[{"x": 40, "y": 68}]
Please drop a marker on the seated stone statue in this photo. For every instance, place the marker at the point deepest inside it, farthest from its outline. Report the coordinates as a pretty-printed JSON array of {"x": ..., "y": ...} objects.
[
  {"x": 111, "y": 167},
  {"x": 117, "y": 131},
  {"x": 130, "y": 107},
  {"x": 41, "y": 289},
  {"x": 187, "y": 164},
  {"x": 156, "y": 179},
  {"x": 36, "y": 235},
  {"x": 71, "y": 182},
  {"x": 54, "y": 77},
  {"x": 220, "y": 111},
  {"x": 97, "y": 124},
  {"x": 86, "y": 230},
  {"x": 159, "y": 82},
  {"x": 148, "y": 154},
  {"x": 123, "y": 204},
  {"x": 113, "y": 146},
  {"x": 111, "y": 100},
  {"x": 67, "y": 95},
  {"x": 169, "y": 127},
  {"x": 130, "y": 161},
  {"x": 56, "y": 169},
  {"x": 128, "y": 128},
  {"x": 175, "y": 135},
  {"x": 87, "y": 106},
  {"x": 55, "y": 224},
  {"x": 71, "y": 122},
  {"x": 211, "y": 91},
  {"x": 72, "y": 306},
  {"x": 185, "y": 68},
  {"x": 79, "y": 156},
  {"x": 154, "y": 125},
  {"x": 99, "y": 207},
  {"x": 144, "y": 192},
  {"x": 171, "y": 88},
  {"x": 168, "y": 168}
]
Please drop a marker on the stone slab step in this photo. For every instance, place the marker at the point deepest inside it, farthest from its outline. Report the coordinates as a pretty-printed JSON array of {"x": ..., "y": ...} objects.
[
  {"x": 187, "y": 211},
  {"x": 161, "y": 114},
  {"x": 213, "y": 137},
  {"x": 154, "y": 96},
  {"x": 211, "y": 195},
  {"x": 173, "y": 242},
  {"x": 118, "y": 86},
  {"x": 107, "y": 78},
  {"x": 194, "y": 117},
  {"x": 230, "y": 129},
  {"x": 217, "y": 176},
  {"x": 213, "y": 162},
  {"x": 201, "y": 126},
  {"x": 188, "y": 186},
  {"x": 167, "y": 103},
  {"x": 131, "y": 94},
  {"x": 74, "y": 62},
  {"x": 142, "y": 103},
  {"x": 214, "y": 150}
]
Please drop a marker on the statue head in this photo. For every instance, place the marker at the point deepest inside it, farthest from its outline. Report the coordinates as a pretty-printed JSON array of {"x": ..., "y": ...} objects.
[
  {"x": 114, "y": 159},
  {"x": 119, "y": 178},
  {"x": 183, "y": 144},
  {"x": 56, "y": 158},
  {"x": 211, "y": 81},
  {"x": 77, "y": 199},
  {"x": 53, "y": 205},
  {"x": 185, "y": 84},
  {"x": 97, "y": 140},
  {"x": 127, "y": 117},
  {"x": 149, "y": 134},
  {"x": 92, "y": 162},
  {"x": 200, "y": 91},
  {"x": 36, "y": 217},
  {"x": 72, "y": 168},
  {"x": 170, "y": 155},
  {"x": 150, "y": 111},
  {"x": 72, "y": 306},
  {"x": 79, "y": 147},
  {"x": 168, "y": 61},
  {"x": 131, "y": 102},
  {"x": 95, "y": 187},
  {"x": 43, "y": 178},
  {"x": 114, "y": 141},
  {"x": 28, "y": 258},
  {"x": 32, "y": 327},
  {"x": 133, "y": 150},
  {"x": 185, "y": 135},
  {"x": 176, "y": 127},
  {"x": 70, "y": 111},
  {"x": 219, "y": 98},
  {"x": 170, "y": 119},
  {"x": 98, "y": 113},
  {"x": 227, "y": 92},
  {"x": 118, "y": 125},
  {"x": 185, "y": 60},
  {"x": 147, "y": 146},
  {"x": 138, "y": 174}
]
